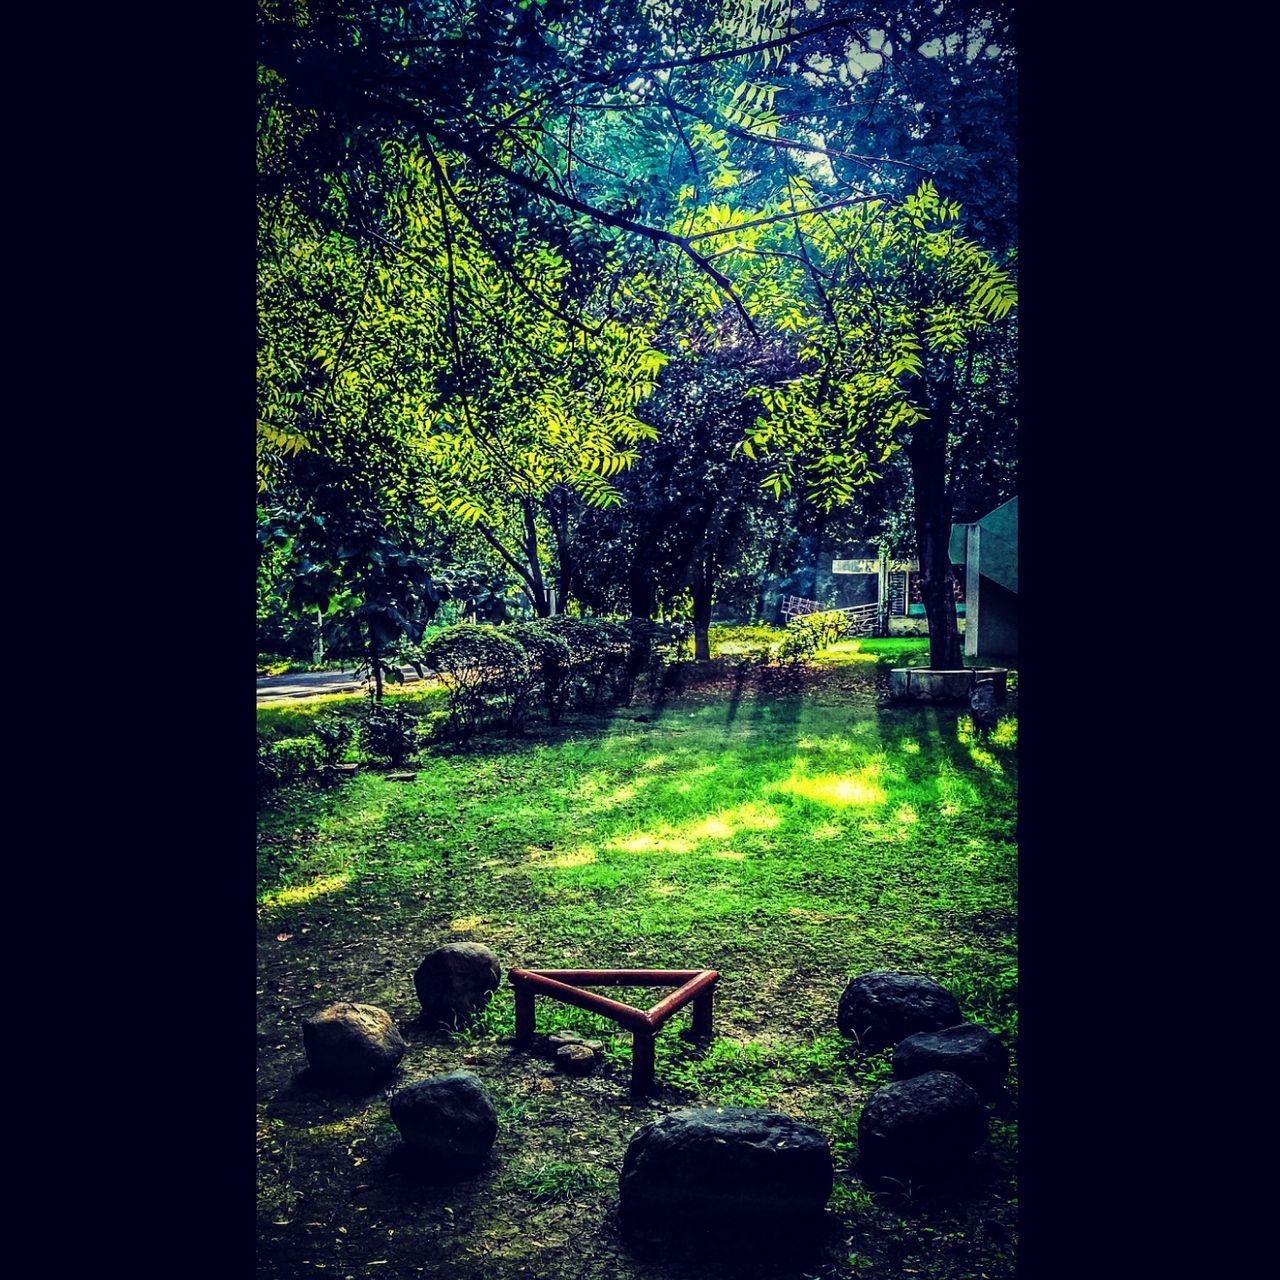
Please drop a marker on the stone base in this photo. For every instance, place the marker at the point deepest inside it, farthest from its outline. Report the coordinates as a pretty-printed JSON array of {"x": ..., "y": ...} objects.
[{"x": 930, "y": 684}]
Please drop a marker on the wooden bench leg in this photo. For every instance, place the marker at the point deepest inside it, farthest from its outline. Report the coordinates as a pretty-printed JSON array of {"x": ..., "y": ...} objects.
[
  {"x": 703, "y": 1024},
  {"x": 524, "y": 1016},
  {"x": 641, "y": 1062}
]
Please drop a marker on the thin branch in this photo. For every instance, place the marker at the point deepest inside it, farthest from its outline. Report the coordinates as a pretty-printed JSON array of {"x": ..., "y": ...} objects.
[
  {"x": 788, "y": 217},
  {"x": 700, "y": 59}
]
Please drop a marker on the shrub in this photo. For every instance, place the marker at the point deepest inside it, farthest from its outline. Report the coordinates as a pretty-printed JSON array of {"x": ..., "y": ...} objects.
[
  {"x": 286, "y": 759},
  {"x": 335, "y": 734},
  {"x": 600, "y": 649},
  {"x": 810, "y": 633},
  {"x": 390, "y": 732},
  {"x": 546, "y": 675},
  {"x": 474, "y": 662},
  {"x": 746, "y": 643}
]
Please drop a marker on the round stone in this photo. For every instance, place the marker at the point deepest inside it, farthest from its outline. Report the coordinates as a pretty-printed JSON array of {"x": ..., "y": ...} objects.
[
  {"x": 881, "y": 1007},
  {"x": 968, "y": 1051},
  {"x": 352, "y": 1044},
  {"x": 576, "y": 1059},
  {"x": 727, "y": 1178},
  {"x": 922, "y": 1127},
  {"x": 455, "y": 981},
  {"x": 448, "y": 1121}
]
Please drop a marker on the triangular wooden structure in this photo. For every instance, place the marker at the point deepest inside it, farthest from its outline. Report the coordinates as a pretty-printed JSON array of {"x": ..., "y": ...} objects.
[{"x": 566, "y": 985}]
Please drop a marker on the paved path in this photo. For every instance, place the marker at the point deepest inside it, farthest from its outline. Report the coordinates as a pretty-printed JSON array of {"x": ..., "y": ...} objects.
[{"x": 311, "y": 684}]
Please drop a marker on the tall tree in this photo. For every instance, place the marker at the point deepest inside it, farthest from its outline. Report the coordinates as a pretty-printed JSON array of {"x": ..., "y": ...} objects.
[{"x": 912, "y": 303}]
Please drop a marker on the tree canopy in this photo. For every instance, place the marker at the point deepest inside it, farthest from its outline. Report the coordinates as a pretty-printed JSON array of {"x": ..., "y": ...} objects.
[{"x": 487, "y": 228}]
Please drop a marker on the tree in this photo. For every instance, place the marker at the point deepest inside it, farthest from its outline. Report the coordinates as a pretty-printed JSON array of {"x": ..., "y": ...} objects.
[
  {"x": 912, "y": 304},
  {"x": 375, "y": 584},
  {"x": 701, "y": 152}
]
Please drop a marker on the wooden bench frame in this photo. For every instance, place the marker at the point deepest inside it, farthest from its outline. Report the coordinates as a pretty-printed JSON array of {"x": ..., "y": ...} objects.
[{"x": 696, "y": 986}]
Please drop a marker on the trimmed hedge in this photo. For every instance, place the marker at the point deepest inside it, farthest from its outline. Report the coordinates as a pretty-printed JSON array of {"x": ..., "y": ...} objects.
[
  {"x": 477, "y": 664},
  {"x": 810, "y": 633}
]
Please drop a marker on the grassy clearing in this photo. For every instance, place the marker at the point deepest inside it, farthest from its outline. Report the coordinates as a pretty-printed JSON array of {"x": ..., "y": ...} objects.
[{"x": 787, "y": 836}]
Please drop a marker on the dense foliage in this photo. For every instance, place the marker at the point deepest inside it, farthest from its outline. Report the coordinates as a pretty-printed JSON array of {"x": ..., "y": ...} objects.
[{"x": 616, "y": 302}]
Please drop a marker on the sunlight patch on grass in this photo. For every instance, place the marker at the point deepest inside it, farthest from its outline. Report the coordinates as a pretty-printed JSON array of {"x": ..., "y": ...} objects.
[
  {"x": 651, "y": 844},
  {"x": 906, "y": 814},
  {"x": 826, "y": 831},
  {"x": 910, "y": 746},
  {"x": 465, "y": 922},
  {"x": 840, "y": 790},
  {"x": 663, "y": 889},
  {"x": 1005, "y": 733},
  {"x": 292, "y": 895},
  {"x": 985, "y": 760},
  {"x": 573, "y": 858},
  {"x": 712, "y": 829}
]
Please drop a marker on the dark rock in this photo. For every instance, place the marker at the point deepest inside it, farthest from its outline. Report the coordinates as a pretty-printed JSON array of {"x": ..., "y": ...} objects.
[
  {"x": 725, "y": 1177},
  {"x": 352, "y": 1044},
  {"x": 576, "y": 1059},
  {"x": 924, "y": 1126},
  {"x": 968, "y": 1051},
  {"x": 881, "y": 1007},
  {"x": 455, "y": 981},
  {"x": 984, "y": 707},
  {"x": 448, "y": 1121}
]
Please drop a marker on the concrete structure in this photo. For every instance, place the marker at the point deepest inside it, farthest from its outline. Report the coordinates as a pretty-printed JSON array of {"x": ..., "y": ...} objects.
[
  {"x": 930, "y": 684},
  {"x": 988, "y": 548}
]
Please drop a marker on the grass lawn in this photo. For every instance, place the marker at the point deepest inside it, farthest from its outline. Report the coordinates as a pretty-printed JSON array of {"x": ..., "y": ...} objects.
[{"x": 788, "y": 829}]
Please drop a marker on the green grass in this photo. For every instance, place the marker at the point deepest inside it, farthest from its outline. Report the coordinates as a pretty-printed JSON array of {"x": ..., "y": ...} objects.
[{"x": 789, "y": 839}]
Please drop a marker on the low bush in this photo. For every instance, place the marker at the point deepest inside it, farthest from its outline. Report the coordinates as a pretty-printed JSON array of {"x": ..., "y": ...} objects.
[
  {"x": 475, "y": 663},
  {"x": 335, "y": 734},
  {"x": 810, "y": 633},
  {"x": 545, "y": 676},
  {"x": 287, "y": 759},
  {"x": 389, "y": 732},
  {"x": 600, "y": 650}
]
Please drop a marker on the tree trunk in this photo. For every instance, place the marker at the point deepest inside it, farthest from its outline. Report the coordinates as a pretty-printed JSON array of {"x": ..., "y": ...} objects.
[
  {"x": 566, "y": 574},
  {"x": 927, "y": 454},
  {"x": 642, "y": 590},
  {"x": 701, "y": 586},
  {"x": 536, "y": 587},
  {"x": 377, "y": 670}
]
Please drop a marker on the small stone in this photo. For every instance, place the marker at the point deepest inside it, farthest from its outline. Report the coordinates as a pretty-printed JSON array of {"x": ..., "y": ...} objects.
[
  {"x": 448, "y": 1121},
  {"x": 352, "y": 1044},
  {"x": 576, "y": 1059},
  {"x": 558, "y": 1038},
  {"x": 726, "y": 1178},
  {"x": 925, "y": 1126},
  {"x": 881, "y": 1007},
  {"x": 401, "y": 777},
  {"x": 969, "y": 1051},
  {"x": 456, "y": 981},
  {"x": 596, "y": 1046}
]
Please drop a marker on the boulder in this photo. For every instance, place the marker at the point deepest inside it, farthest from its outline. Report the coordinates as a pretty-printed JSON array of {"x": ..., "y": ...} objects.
[
  {"x": 448, "y": 1121},
  {"x": 352, "y": 1044},
  {"x": 922, "y": 1127},
  {"x": 725, "y": 1177},
  {"x": 881, "y": 1007},
  {"x": 968, "y": 1051},
  {"x": 456, "y": 981}
]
